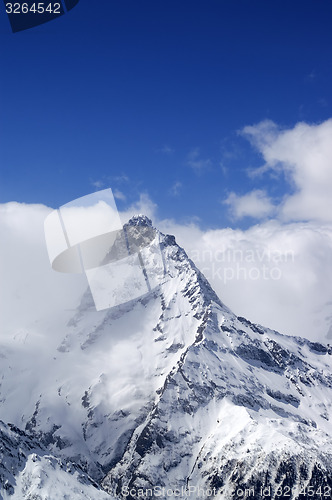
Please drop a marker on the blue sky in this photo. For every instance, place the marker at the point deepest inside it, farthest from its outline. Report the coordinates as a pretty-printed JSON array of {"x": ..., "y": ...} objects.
[{"x": 149, "y": 97}]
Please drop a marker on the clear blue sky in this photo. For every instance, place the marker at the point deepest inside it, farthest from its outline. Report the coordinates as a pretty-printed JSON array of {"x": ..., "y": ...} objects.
[{"x": 148, "y": 96}]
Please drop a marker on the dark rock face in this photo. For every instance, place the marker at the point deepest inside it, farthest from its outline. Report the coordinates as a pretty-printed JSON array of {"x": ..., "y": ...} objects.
[{"x": 292, "y": 480}]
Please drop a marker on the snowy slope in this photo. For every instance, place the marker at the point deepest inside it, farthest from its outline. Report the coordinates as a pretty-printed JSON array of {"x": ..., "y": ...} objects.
[
  {"x": 27, "y": 471},
  {"x": 173, "y": 390},
  {"x": 242, "y": 402}
]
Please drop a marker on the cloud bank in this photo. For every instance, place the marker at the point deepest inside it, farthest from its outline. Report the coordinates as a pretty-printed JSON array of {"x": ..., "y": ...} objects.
[
  {"x": 277, "y": 273},
  {"x": 255, "y": 204},
  {"x": 274, "y": 274},
  {"x": 303, "y": 155},
  {"x": 30, "y": 290}
]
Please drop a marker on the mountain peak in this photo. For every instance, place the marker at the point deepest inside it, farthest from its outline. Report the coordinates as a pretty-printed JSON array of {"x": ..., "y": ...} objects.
[{"x": 139, "y": 220}]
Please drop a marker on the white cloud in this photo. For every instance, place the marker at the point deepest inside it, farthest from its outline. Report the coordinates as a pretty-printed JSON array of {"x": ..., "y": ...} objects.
[
  {"x": 143, "y": 206},
  {"x": 223, "y": 168},
  {"x": 99, "y": 184},
  {"x": 293, "y": 295},
  {"x": 198, "y": 164},
  {"x": 123, "y": 178},
  {"x": 304, "y": 155},
  {"x": 31, "y": 294},
  {"x": 275, "y": 274},
  {"x": 255, "y": 204},
  {"x": 175, "y": 189},
  {"x": 119, "y": 195},
  {"x": 30, "y": 290},
  {"x": 167, "y": 150},
  {"x": 311, "y": 76}
]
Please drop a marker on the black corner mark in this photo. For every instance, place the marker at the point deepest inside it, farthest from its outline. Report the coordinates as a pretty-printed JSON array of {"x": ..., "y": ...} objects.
[
  {"x": 26, "y": 14},
  {"x": 70, "y": 4}
]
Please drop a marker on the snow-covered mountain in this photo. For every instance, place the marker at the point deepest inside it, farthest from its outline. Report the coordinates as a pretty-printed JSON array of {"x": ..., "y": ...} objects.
[
  {"x": 27, "y": 470},
  {"x": 170, "y": 390}
]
